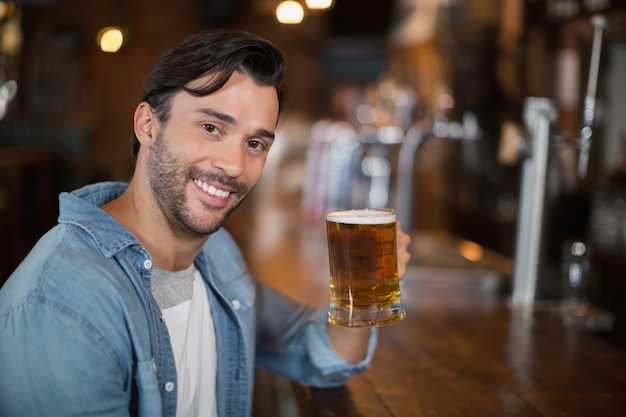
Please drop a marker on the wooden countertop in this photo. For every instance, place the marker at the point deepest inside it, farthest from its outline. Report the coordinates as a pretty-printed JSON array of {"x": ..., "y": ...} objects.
[{"x": 461, "y": 351}]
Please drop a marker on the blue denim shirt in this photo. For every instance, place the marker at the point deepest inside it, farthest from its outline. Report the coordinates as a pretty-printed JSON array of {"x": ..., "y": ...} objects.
[{"x": 80, "y": 333}]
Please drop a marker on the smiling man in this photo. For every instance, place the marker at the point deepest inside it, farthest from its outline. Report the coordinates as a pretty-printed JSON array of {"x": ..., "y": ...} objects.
[{"x": 138, "y": 302}]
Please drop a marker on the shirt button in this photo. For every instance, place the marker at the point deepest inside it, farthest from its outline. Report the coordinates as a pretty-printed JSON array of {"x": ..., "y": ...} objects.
[
  {"x": 236, "y": 304},
  {"x": 147, "y": 264},
  {"x": 169, "y": 386}
]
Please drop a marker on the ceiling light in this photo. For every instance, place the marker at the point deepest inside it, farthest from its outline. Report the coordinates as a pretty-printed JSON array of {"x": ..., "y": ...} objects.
[
  {"x": 319, "y": 4},
  {"x": 289, "y": 12},
  {"x": 111, "y": 38}
]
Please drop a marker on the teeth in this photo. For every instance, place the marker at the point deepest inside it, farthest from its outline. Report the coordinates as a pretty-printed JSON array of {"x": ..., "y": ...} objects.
[{"x": 211, "y": 189}]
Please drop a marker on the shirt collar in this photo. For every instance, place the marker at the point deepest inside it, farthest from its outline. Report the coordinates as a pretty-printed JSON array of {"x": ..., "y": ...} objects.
[{"x": 82, "y": 209}]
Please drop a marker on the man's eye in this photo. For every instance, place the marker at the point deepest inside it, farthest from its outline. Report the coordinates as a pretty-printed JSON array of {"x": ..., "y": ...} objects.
[
  {"x": 256, "y": 144},
  {"x": 212, "y": 129}
]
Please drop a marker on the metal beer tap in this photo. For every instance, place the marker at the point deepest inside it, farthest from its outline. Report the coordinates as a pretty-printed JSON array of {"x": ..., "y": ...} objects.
[
  {"x": 539, "y": 115},
  {"x": 600, "y": 24},
  {"x": 416, "y": 136}
]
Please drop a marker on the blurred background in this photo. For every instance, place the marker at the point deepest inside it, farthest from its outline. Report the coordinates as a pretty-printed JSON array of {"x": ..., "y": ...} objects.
[{"x": 399, "y": 103}]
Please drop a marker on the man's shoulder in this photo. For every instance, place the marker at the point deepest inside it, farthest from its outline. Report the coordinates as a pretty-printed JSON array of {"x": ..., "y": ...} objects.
[{"x": 64, "y": 266}]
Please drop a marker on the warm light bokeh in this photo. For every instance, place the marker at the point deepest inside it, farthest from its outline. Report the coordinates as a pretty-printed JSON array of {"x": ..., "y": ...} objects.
[
  {"x": 319, "y": 4},
  {"x": 111, "y": 39},
  {"x": 289, "y": 12}
]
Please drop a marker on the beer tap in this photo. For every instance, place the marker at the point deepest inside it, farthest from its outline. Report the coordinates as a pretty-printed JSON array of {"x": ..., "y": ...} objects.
[
  {"x": 416, "y": 136},
  {"x": 599, "y": 23},
  {"x": 539, "y": 116}
]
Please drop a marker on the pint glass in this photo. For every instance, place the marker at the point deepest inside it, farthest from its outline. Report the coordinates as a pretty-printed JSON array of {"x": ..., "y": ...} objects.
[{"x": 364, "y": 287}]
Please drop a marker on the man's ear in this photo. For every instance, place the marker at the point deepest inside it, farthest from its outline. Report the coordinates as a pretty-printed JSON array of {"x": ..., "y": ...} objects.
[{"x": 145, "y": 124}]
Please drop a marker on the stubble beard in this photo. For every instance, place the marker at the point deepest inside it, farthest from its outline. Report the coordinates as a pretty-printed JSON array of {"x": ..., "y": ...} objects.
[{"x": 168, "y": 179}]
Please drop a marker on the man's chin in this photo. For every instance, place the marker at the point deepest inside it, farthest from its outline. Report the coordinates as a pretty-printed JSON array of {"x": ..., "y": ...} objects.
[
  {"x": 215, "y": 219},
  {"x": 204, "y": 230}
]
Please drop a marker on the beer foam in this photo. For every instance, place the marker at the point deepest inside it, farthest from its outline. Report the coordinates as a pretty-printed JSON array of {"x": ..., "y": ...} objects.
[{"x": 362, "y": 216}]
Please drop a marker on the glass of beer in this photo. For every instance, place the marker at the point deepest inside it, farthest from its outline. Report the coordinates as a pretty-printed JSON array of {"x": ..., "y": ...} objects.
[{"x": 364, "y": 286}]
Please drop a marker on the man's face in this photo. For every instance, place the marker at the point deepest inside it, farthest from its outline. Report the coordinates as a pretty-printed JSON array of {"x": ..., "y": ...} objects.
[{"x": 210, "y": 153}]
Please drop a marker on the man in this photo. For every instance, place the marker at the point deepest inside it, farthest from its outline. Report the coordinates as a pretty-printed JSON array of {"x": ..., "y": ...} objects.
[{"x": 138, "y": 302}]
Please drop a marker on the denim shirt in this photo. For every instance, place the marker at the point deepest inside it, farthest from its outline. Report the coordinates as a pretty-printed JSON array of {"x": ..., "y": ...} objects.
[{"x": 81, "y": 334}]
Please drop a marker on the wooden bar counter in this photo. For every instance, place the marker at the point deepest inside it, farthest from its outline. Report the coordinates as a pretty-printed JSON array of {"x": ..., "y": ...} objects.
[{"x": 461, "y": 350}]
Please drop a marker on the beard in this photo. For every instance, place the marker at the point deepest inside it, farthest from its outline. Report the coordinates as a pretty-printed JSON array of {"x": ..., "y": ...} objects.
[{"x": 169, "y": 177}]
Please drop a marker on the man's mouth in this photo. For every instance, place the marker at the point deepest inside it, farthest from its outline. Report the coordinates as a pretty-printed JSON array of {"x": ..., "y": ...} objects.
[{"x": 211, "y": 189}]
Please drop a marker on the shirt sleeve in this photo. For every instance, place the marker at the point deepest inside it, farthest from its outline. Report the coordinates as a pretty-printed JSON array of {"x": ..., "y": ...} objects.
[{"x": 292, "y": 341}]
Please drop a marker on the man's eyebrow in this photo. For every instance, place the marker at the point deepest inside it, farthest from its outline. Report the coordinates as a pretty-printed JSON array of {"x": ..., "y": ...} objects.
[
  {"x": 222, "y": 116},
  {"x": 231, "y": 121},
  {"x": 266, "y": 134}
]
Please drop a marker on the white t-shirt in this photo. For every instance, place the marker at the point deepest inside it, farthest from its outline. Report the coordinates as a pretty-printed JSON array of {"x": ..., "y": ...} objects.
[{"x": 184, "y": 304}]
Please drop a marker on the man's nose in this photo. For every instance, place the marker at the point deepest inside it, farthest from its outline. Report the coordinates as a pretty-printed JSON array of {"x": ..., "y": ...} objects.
[{"x": 230, "y": 158}]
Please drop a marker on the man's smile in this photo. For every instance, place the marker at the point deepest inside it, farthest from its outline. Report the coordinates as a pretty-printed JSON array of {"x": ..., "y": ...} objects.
[{"x": 211, "y": 189}]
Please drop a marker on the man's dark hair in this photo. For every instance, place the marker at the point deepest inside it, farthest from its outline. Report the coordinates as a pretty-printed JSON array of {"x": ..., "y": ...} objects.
[{"x": 219, "y": 53}]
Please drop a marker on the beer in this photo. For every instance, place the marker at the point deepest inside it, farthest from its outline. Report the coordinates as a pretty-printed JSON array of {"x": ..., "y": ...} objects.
[{"x": 364, "y": 287}]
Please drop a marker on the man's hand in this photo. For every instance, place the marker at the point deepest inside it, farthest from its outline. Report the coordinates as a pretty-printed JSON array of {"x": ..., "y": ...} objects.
[{"x": 403, "y": 240}]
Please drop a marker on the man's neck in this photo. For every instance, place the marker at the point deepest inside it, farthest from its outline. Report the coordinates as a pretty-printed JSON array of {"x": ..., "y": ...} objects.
[{"x": 170, "y": 251}]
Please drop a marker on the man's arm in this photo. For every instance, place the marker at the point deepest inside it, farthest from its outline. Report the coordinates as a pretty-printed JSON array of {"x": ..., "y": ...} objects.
[
  {"x": 54, "y": 364},
  {"x": 349, "y": 343}
]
